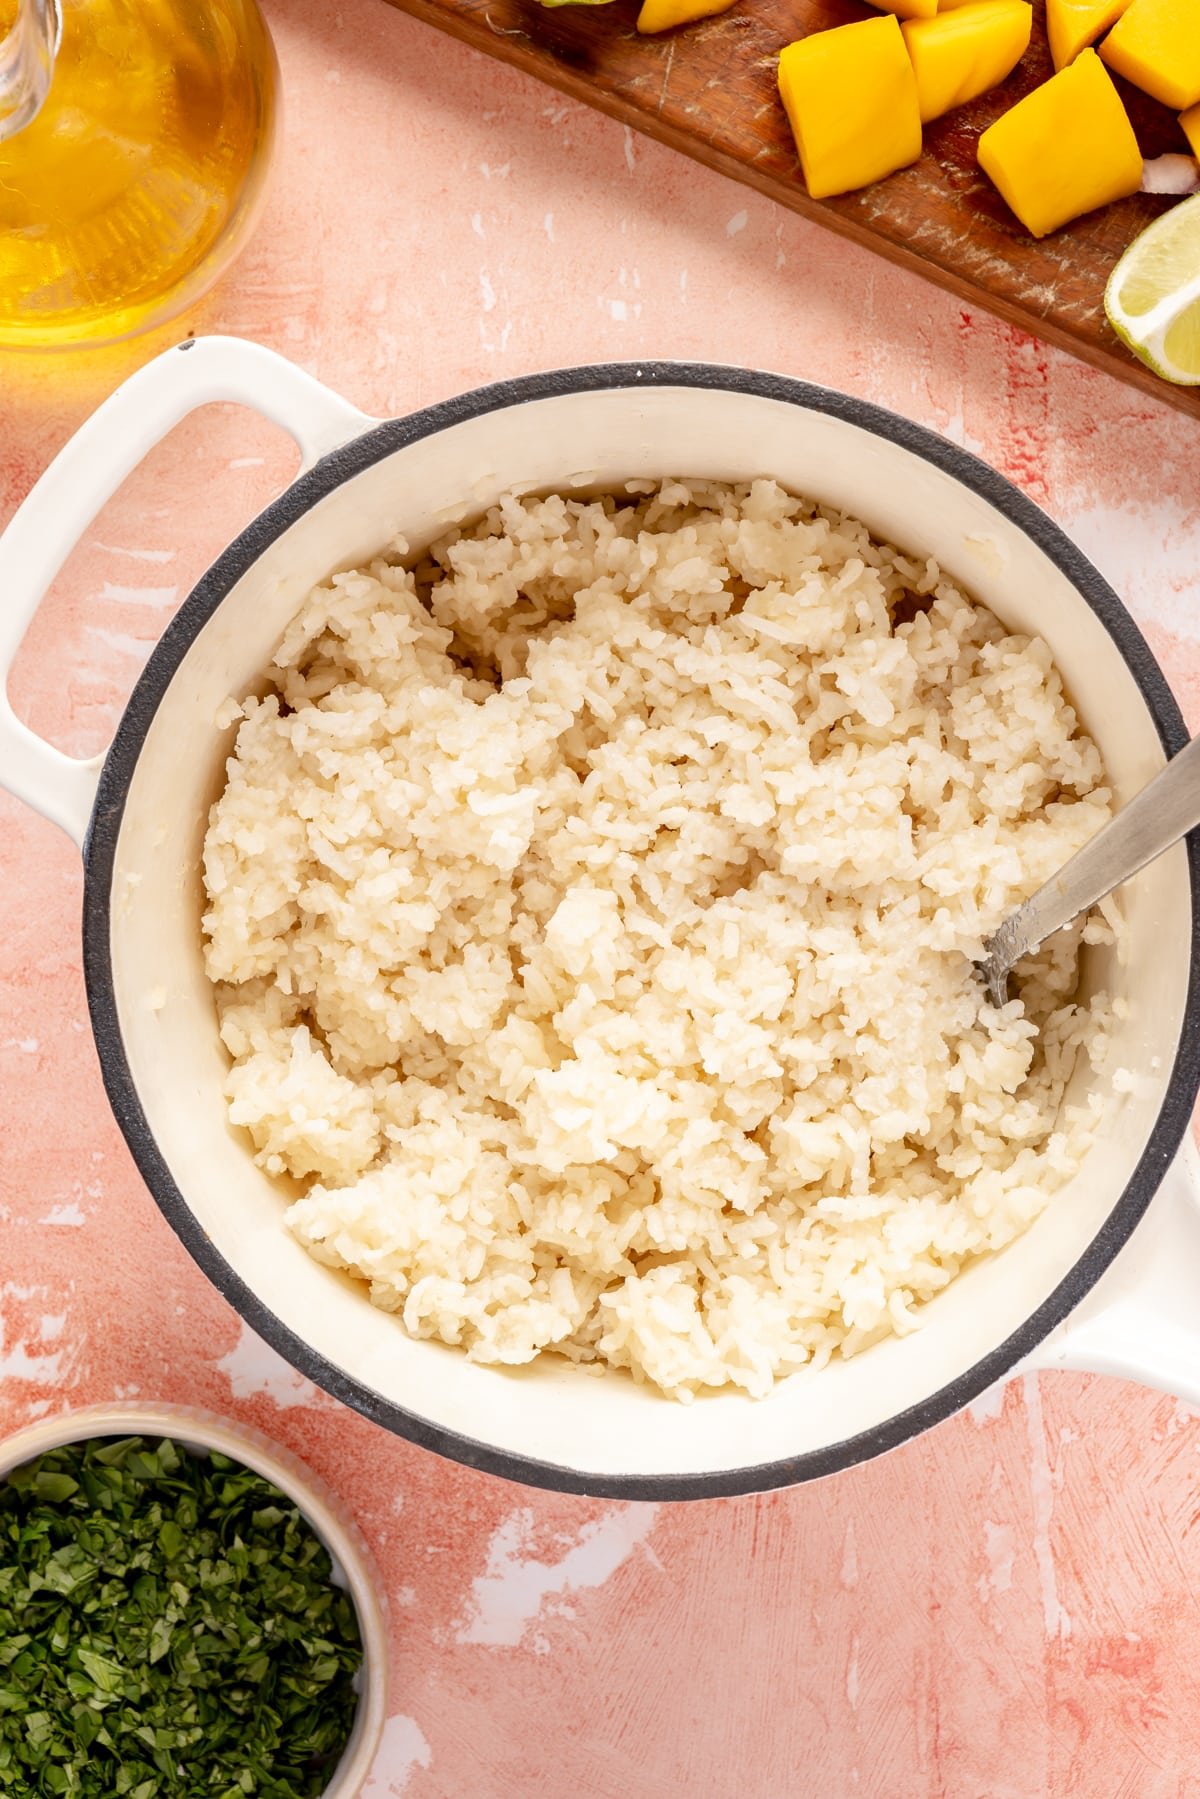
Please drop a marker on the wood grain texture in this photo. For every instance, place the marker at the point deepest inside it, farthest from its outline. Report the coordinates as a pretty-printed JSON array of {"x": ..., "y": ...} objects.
[{"x": 709, "y": 91}]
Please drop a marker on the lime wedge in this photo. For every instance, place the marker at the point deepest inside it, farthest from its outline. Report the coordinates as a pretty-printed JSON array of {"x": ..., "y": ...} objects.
[{"x": 1153, "y": 295}]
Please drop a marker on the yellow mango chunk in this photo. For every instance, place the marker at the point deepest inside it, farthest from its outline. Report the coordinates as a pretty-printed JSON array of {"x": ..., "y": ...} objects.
[
  {"x": 664, "y": 15},
  {"x": 1071, "y": 25},
  {"x": 851, "y": 99},
  {"x": 1190, "y": 120},
  {"x": 963, "y": 53},
  {"x": 1064, "y": 149},
  {"x": 950, "y": 5},
  {"x": 1156, "y": 45},
  {"x": 908, "y": 9}
]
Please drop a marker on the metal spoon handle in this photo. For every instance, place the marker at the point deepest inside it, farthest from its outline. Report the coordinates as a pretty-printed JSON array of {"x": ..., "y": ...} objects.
[{"x": 1163, "y": 812}]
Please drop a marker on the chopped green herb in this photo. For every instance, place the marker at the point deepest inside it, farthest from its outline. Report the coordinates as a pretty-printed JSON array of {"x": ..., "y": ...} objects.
[{"x": 169, "y": 1629}]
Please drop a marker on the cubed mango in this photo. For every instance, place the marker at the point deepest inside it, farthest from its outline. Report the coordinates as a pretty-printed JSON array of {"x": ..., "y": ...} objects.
[
  {"x": 1190, "y": 120},
  {"x": 664, "y": 15},
  {"x": 851, "y": 99},
  {"x": 1064, "y": 149},
  {"x": 963, "y": 53},
  {"x": 908, "y": 9},
  {"x": 1071, "y": 25},
  {"x": 1156, "y": 45}
]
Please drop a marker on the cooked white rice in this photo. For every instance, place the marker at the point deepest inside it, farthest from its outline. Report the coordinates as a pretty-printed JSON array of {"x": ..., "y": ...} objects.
[{"x": 592, "y": 908}]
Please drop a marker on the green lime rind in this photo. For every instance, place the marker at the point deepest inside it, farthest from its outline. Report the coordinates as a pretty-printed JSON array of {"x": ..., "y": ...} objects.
[
  {"x": 1177, "y": 377},
  {"x": 1159, "y": 246}
]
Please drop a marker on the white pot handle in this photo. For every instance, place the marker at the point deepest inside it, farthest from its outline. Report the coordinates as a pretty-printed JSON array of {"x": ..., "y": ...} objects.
[
  {"x": 87, "y": 471},
  {"x": 1141, "y": 1321}
]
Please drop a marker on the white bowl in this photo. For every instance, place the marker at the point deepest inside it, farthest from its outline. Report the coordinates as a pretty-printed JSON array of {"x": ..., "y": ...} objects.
[{"x": 199, "y": 1431}]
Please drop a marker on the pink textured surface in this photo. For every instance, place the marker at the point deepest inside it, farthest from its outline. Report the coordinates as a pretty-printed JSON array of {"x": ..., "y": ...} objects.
[{"x": 1004, "y": 1610}]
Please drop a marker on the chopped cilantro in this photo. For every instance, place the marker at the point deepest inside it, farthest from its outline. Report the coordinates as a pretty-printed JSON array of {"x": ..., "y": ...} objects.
[{"x": 169, "y": 1629}]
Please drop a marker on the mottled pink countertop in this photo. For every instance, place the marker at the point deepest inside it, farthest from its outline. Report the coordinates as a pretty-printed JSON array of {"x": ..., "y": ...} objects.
[{"x": 1006, "y": 1609}]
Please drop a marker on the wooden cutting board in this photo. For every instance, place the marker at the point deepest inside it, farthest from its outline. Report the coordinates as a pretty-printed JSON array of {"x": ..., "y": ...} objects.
[{"x": 709, "y": 90}]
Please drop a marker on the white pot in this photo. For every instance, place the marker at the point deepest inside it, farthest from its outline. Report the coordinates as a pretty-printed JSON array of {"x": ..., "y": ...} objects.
[{"x": 1050, "y": 1300}]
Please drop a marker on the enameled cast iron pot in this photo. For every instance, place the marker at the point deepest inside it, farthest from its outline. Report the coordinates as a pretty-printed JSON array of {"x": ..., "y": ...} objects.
[{"x": 1083, "y": 1288}]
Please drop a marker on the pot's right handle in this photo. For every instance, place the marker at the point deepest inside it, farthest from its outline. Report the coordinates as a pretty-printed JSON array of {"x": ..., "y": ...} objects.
[
  {"x": 1141, "y": 1321},
  {"x": 87, "y": 471}
]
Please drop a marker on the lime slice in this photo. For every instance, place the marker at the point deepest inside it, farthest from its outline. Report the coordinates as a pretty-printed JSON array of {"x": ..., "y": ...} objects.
[{"x": 1153, "y": 295}]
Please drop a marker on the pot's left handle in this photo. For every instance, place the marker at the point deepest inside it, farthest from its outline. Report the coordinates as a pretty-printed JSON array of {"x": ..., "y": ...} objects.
[{"x": 87, "y": 472}]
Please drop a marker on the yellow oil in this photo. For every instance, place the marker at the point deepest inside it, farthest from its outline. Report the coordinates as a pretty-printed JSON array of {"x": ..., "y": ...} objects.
[{"x": 137, "y": 181}]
